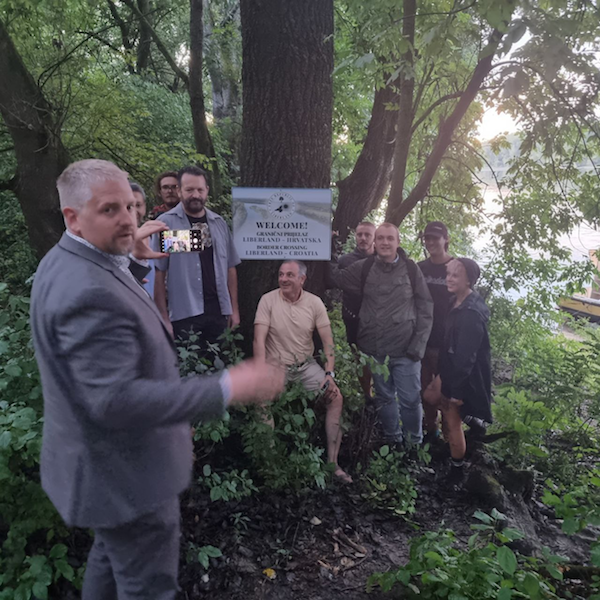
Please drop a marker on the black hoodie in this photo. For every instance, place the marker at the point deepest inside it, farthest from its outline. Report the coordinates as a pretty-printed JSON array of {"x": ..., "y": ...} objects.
[{"x": 465, "y": 361}]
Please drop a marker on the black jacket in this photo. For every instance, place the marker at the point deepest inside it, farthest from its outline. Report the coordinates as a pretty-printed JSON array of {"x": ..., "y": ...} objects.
[
  {"x": 351, "y": 302},
  {"x": 465, "y": 361}
]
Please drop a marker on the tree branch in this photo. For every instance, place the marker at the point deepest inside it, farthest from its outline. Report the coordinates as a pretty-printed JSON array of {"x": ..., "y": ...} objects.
[
  {"x": 122, "y": 24},
  {"x": 159, "y": 43},
  {"x": 401, "y": 209}
]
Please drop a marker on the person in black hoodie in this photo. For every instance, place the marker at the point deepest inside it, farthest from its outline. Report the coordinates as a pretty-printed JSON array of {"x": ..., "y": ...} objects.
[
  {"x": 465, "y": 381},
  {"x": 365, "y": 238}
]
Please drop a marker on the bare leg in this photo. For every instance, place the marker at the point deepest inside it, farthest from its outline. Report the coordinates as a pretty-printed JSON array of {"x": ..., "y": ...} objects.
[
  {"x": 333, "y": 430},
  {"x": 454, "y": 430}
]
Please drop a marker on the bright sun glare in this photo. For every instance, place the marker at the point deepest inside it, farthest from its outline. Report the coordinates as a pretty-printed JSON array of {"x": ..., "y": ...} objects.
[{"x": 494, "y": 123}]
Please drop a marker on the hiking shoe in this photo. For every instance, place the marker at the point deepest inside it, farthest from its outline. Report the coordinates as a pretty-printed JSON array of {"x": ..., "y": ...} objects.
[{"x": 455, "y": 478}]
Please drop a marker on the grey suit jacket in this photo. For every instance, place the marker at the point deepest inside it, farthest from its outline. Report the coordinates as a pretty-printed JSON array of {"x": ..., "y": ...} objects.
[{"x": 116, "y": 440}]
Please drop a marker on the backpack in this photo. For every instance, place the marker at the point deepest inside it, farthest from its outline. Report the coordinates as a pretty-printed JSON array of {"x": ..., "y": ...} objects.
[{"x": 411, "y": 267}]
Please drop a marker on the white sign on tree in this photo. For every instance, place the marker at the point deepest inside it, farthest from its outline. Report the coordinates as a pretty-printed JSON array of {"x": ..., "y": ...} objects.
[{"x": 280, "y": 223}]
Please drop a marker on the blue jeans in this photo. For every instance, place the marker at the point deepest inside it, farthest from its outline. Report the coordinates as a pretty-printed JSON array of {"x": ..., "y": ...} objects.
[{"x": 404, "y": 383}]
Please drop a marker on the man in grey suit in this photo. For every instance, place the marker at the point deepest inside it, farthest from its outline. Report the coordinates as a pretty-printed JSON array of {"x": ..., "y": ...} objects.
[{"x": 117, "y": 450}]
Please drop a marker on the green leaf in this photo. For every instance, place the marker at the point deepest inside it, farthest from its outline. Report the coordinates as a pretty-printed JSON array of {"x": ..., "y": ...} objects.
[
  {"x": 58, "y": 551},
  {"x": 505, "y": 594},
  {"x": 206, "y": 470},
  {"x": 203, "y": 559},
  {"x": 506, "y": 559},
  {"x": 212, "y": 551},
  {"x": 384, "y": 451},
  {"x": 513, "y": 534},
  {"x": 40, "y": 590},
  {"x": 481, "y": 516},
  {"x": 554, "y": 572},
  {"x": 531, "y": 585},
  {"x": 595, "y": 556},
  {"x": 5, "y": 439},
  {"x": 571, "y": 525},
  {"x": 65, "y": 569},
  {"x": 37, "y": 564}
]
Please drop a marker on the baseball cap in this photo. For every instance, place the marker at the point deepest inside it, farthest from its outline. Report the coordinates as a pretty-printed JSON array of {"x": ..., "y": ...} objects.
[{"x": 436, "y": 228}]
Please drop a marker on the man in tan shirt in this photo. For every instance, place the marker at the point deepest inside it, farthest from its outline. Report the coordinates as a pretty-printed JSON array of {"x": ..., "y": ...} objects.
[{"x": 283, "y": 334}]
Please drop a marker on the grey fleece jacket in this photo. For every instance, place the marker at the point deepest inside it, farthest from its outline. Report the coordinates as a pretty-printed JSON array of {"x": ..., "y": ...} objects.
[{"x": 394, "y": 320}]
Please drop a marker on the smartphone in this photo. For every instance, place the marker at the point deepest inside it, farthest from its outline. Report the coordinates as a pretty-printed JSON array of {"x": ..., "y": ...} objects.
[
  {"x": 181, "y": 240},
  {"x": 324, "y": 387}
]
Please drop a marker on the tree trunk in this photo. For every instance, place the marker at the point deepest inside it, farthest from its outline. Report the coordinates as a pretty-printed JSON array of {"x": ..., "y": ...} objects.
[
  {"x": 41, "y": 156},
  {"x": 362, "y": 191},
  {"x": 406, "y": 112},
  {"x": 223, "y": 64},
  {"x": 143, "y": 49},
  {"x": 202, "y": 137},
  {"x": 223, "y": 60},
  {"x": 287, "y": 112}
]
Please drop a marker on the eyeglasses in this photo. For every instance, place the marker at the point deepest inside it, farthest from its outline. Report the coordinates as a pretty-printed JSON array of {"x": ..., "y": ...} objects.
[{"x": 168, "y": 187}]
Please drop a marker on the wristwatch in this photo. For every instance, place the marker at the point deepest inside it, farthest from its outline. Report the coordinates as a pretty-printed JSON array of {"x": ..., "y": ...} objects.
[{"x": 331, "y": 374}]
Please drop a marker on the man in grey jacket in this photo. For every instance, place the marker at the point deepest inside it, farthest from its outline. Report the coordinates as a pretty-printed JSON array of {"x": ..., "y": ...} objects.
[
  {"x": 395, "y": 320},
  {"x": 116, "y": 448}
]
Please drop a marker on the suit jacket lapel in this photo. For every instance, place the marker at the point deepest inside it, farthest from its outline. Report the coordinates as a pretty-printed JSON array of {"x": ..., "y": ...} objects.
[{"x": 75, "y": 247}]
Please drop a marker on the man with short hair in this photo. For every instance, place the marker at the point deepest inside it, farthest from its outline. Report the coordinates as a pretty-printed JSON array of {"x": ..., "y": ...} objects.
[
  {"x": 166, "y": 190},
  {"x": 436, "y": 241},
  {"x": 116, "y": 446},
  {"x": 201, "y": 286},
  {"x": 394, "y": 324},
  {"x": 283, "y": 334},
  {"x": 365, "y": 237}
]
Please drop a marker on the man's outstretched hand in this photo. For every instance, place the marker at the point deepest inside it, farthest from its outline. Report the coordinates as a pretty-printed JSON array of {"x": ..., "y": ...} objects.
[
  {"x": 141, "y": 249},
  {"x": 255, "y": 381}
]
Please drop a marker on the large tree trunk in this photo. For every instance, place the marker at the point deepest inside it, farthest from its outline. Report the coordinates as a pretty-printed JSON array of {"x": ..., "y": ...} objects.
[
  {"x": 287, "y": 113},
  {"x": 362, "y": 191},
  {"x": 204, "y": 144},
  {"x": 41, "y": 156}
]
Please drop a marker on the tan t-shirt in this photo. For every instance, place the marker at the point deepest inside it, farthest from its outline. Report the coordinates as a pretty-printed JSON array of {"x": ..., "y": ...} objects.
[{"x": 291, "y": 325}]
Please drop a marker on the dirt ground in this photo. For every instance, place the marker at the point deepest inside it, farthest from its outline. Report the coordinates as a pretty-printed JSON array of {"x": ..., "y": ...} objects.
[{"x": 325, "y": 544}]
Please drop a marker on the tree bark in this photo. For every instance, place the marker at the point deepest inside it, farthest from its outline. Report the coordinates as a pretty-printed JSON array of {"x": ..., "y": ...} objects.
[
  {"x": 287, "y": 114},
  {"x": 204, "y": 144},
  {"x": 406, "y": 112},
  {"x": 41, "y": 156},
  {"x": 362, "y": 191},
  {"x": 145, "y": 41}
]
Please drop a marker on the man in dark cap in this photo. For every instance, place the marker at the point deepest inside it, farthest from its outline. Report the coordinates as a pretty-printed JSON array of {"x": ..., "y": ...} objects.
[{"x": 436, "y": 241}]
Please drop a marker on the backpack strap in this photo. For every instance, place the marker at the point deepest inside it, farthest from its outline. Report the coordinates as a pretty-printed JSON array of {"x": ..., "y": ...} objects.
[
  {"x": 366, "y": 267},
  {"x": 411, "y": 267}
]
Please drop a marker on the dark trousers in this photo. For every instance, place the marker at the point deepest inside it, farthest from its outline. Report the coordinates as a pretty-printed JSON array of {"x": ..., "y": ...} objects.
[
  {"x": 138, "y": 560},
  {"x": 207, "y": 327}
]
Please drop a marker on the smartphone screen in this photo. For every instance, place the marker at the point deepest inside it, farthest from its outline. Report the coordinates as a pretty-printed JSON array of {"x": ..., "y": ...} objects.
[{"x": 181, "y": 240}]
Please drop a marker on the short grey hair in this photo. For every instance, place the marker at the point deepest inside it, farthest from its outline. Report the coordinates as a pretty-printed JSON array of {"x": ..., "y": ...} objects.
[
  {"x": 76, "y": 181},
  {"x": 301, "y": 265},
  {"x": 136, "y": 187}
]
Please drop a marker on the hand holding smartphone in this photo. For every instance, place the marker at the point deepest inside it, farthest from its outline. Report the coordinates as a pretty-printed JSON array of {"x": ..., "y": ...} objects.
[{"x": 181, "y": 240}]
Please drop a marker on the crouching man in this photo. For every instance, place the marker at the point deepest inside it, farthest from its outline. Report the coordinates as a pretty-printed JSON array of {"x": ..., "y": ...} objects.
[{"x": 283, "y": 334}]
